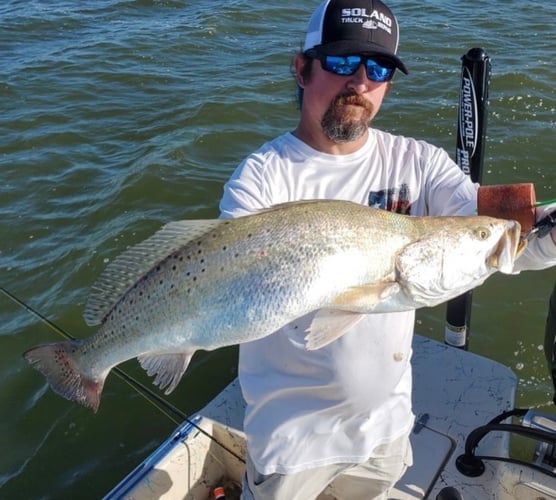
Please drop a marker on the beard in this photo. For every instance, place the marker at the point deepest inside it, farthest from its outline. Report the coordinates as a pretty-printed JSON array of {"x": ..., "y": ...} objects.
[{"x": 343, "y": 124}]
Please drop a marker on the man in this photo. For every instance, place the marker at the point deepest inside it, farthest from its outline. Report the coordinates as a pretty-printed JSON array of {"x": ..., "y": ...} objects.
[{"x": 339, "y": 418}]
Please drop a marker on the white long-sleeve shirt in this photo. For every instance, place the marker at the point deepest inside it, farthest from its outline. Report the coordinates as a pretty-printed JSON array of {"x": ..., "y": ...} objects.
[{"x": 335, "y": 405}]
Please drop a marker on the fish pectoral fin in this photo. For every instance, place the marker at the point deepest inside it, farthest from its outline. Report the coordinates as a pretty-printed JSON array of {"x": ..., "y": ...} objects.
[
  {"x": 167, "y": 368},
  {"x": 346, "y": 311},
  {"x": 364, "y": 298},
  {"x": 329, "y": 325}
]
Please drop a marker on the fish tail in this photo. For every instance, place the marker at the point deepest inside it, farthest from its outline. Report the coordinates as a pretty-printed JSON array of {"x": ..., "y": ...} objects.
[{"x": 58, "y": 364}]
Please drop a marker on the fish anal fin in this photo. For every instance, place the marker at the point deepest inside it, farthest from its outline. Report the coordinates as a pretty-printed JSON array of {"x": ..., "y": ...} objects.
[
  {"x": 329, "y": 325},
  {"x": 364, "y": 298},
  {"x": 56, "y": 363},
  {"x": 167, "y": 368}
]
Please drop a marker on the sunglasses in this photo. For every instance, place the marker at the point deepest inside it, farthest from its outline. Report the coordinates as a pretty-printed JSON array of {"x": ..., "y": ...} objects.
[{"x": 378, "y": 70}]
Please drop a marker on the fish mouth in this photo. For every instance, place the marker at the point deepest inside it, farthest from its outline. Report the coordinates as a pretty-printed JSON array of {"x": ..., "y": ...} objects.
[{"x": 510, "y": 246}]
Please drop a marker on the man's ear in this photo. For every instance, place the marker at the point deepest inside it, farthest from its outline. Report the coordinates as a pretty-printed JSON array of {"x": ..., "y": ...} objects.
[{"x": 298, "y": 64}]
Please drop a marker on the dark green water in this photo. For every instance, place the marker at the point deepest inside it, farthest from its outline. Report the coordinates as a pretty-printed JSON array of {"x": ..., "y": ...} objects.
[{"x": 118, "y": 116}]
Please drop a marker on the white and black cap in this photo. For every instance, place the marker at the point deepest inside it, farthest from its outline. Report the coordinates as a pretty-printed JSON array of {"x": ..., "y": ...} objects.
[{"x": 346, "y": 27}]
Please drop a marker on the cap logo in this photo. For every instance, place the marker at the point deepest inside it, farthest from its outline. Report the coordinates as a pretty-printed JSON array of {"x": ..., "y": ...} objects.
[{"x": 371, "y": 21}]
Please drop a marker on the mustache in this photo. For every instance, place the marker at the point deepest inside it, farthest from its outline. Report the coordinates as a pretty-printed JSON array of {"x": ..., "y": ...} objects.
[{"x": 354, "y": 100}]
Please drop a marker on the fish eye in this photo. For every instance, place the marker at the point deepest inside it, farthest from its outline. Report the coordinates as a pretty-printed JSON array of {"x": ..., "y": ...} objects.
[{"x": 482, "y": 233}]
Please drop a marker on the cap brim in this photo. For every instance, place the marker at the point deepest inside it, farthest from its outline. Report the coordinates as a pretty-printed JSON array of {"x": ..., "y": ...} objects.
[{"x": 347, "y": 47}]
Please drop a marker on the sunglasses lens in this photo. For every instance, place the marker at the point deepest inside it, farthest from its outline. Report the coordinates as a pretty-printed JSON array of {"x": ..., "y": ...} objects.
[
  {"x": 348, "y": 65},
  {"x": 342, "y": 65},
  {"x": 378, "y": 73}
]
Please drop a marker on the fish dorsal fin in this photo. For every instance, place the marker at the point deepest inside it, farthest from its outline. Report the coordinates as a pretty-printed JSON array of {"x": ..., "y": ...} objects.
[
  {"x": 129, "y": 267},
  {"x": 167, "y": 369}
]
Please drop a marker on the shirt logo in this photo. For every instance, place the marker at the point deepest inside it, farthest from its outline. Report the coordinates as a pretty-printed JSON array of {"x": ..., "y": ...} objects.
[{"x": 394, "y": 200}]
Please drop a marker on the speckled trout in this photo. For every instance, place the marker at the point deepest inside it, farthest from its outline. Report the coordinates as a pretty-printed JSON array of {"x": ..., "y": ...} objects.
[{"x": 206, "y": 284}]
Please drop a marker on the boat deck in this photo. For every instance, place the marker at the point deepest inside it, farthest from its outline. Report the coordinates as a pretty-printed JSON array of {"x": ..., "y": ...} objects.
[{"x": 455, "y": 392}]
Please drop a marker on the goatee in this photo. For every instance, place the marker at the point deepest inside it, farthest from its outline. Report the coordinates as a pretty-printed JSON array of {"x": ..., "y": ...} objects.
[{"x": 341, "y": 125}]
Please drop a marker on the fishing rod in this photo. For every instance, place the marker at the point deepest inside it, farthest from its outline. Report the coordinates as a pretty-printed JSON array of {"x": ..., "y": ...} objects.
[{"x": 164, "y": 406}]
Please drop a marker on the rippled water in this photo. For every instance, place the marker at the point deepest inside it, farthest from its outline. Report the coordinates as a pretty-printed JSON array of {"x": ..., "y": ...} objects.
[{"x": 118, "y": 116}]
